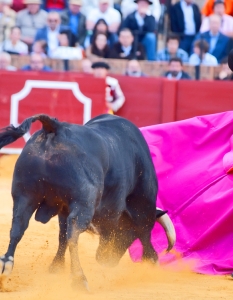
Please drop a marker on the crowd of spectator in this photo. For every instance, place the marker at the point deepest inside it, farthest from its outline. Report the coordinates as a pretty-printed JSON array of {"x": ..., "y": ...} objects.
[{"x": 126, "y": 29}]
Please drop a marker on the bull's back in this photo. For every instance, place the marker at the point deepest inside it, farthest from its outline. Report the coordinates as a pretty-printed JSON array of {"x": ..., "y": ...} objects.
[{"x": 129, "y": 156}]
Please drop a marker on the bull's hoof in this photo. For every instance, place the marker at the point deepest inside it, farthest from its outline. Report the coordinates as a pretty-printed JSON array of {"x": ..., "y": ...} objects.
[
  {"x": 152, "y": 261},
  {"x": 57, "y": 266},
  {"x": 80, "y": 285},
  {"x": 6, "y": 265}
]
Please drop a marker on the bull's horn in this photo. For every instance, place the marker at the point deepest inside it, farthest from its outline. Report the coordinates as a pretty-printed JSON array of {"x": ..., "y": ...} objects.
[{"x": 168, "y": 226}]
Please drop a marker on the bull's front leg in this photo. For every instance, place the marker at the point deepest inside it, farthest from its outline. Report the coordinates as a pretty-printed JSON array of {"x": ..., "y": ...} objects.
[
  {"x": 77, "y": 222},
  {"x": 22, "y": 212}
]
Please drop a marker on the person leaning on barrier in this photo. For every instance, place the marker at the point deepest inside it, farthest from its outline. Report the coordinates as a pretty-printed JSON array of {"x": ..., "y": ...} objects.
[
  {"x": 7, "y": 19},
  {"x": 225, "y": 72},
  {"x": 133, "y": 69},
  {"x": 114, "y": 95},
  {"x": 143, "y": 27},
  {"x": 36, "y": 64},
  {"x": 175, "y": 70},
  {"x": 5, "y": 62},
  {"x": 201, "y": 56},
  {"x": 13, "y": 45},
  {"x": 172, "y": 50},
  {"x": 218, "y": 42},
  {"x": 125, "y": 48},
  {"x": 30, "y": 19}
]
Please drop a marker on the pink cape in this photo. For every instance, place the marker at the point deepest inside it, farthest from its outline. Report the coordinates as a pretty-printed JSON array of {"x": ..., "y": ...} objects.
[{"x": 195, "y": 189}]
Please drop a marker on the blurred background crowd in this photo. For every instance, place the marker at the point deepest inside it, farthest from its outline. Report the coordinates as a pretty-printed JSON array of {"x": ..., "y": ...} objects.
[{"x": 175, "y": 33}]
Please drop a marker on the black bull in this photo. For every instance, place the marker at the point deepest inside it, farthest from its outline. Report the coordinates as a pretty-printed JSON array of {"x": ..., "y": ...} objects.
[{"x": 97, "y": 177}]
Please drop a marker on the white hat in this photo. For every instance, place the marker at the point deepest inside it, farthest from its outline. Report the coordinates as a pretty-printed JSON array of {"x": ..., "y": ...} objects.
[
  {"x": 76, "y": 2},
  {"x": 32, "y": 2}
]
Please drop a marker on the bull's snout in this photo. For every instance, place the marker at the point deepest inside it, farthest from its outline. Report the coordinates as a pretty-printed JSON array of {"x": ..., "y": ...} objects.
[{"x": 6, "y": 265}]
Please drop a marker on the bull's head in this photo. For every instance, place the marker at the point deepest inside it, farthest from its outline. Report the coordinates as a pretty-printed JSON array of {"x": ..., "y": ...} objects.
[
  {"x": 114, "y": 243},
  {"x": 113, "y": 246}
]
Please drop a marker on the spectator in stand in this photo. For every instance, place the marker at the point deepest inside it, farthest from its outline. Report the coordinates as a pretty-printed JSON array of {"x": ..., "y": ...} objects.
[
  {"x": 63, "y": 51},
  {"x": 172, "y": 50},
  {"x": 225, "y": 72},
  {"x": 143, "y": 27},
  {"x": 5, "y": 62},
  {"x": 106, "y": 12},
  {"x": 175, "y": 70},
  {"x": 13, "y": 45},
  {"x": 125, "y": 48},
  {"x": 86, "y": 66},
  {"x": 99, "y": 46},
  {"x": 36, "y": 64},
  {"x": 185, "y": 20},
  {"x": 29, "y": 20},
  {"x": 201, "y": 55},
  {"x": 226, "y": 20},
  {"x": 51, "y": 32},
  {"x": 218, "y": 42},
  {"x": 7, "y": 19},
  {"x": 76, "y": 21},
  {"x": 114, "y": 95},
  {"x": 133, "y": 69},
  {"x": 129, "y": 6},
  {"x": 89, "y": 5},
  {"x": 100, "y": 27},
  {"x": 208, "y": 8},
  {"x": 54, "y": 5},
  {"x": 40, "y": 47}
]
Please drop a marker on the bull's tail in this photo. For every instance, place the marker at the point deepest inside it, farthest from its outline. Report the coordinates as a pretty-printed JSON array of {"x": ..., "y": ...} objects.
[{"x": 10, "y": 133}]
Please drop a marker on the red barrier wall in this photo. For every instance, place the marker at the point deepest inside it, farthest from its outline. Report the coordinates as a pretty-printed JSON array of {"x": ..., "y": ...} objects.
[
  {"x": 143, "y": 100},
  {"x": 66, "y": 96}
]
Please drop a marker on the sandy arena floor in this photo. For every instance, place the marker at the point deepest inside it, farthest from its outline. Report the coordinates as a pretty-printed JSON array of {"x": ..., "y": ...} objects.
[{"x": 31, "y": 280}]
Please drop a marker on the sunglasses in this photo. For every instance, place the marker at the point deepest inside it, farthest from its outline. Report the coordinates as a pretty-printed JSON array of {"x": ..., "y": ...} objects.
[{"x": 53, "y": 20}]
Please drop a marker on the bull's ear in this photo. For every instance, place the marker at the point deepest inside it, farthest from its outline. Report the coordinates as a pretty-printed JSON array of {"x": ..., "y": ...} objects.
[
  {"x": 230, "y": 60},
  {"x": 160, "y": 212}
]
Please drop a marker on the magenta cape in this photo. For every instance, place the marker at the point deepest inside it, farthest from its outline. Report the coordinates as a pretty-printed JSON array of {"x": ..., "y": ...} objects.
[{"x": 195, "y": 189}]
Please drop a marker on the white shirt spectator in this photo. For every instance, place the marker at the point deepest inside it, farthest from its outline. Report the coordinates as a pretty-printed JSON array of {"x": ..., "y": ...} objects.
[
  {"x": 53, "y": 41},
  {"x": 89, "y": 5},
  {"x": 20, "y": 47},
  {"x": 226, "y": 25},
  {"x": 111, "y": 16},
  {"x": 208, "y": 60},
  {"x": 129, "y": 6},
  {"x": 139, "y": 19},
  {"x": 126, "y": 50},
  {"x": 190, "y": 28}
]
